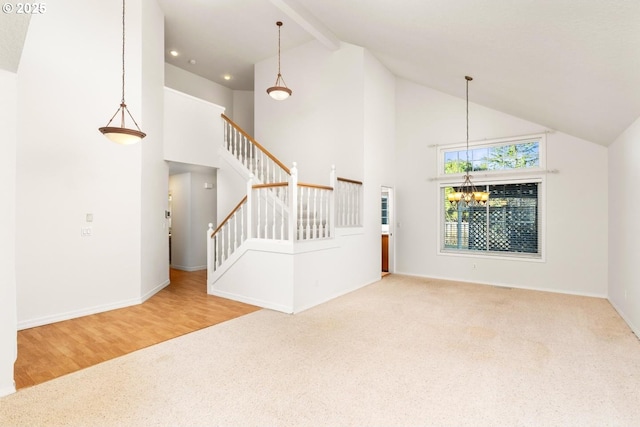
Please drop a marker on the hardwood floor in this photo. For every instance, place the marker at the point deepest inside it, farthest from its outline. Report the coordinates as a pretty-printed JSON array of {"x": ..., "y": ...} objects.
[{"x": 50, "y": 351}]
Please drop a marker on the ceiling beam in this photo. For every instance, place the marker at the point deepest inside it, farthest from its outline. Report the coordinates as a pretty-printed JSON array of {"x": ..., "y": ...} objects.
[{"x": 310, "y": 23}]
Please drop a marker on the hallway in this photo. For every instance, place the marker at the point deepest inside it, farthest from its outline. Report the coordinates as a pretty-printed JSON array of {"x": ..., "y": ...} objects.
[{"x": 50, "y": 351}]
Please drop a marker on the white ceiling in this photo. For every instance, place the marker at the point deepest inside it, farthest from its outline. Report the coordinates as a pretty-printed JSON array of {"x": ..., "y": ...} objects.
[{"x": 570, "y": 65}]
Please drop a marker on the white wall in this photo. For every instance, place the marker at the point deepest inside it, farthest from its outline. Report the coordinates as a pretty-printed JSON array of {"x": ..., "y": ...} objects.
[
  {"x": 624, "y": 228},
  {"x": 260, "y": 277},
  {"x": 8, "y": 315},
  {"x": 67, "y": 169},
  {"x": 237, "y": 104},
  {"x": 317, "y": 128},
  {"x": 322, "y": 122},
  {"x": 243, "y": 110},
  {"x": 203, "y": 212},
  {"x": 576, "y": 234},
  {"x": 231, "y": 188},
  {"x": 379, "y": 155},
  {"x": 155, "y": 173},
  {"x": 180, "y": 189},
  {"x": 194, "y": 85},
  {"x": 193, "y": 207},
  {"x": 193, "y": 131}
]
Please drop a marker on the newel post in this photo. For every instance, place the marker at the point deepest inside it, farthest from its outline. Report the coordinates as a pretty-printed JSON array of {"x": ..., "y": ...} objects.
[
  {"x": 293, "y": 202},
  {"x": 249, "y": 206}
]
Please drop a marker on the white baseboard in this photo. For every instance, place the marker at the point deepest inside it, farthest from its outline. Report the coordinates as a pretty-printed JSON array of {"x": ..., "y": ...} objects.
[
  {"x": 155, "y": 290},
  {"x": 59, "y": 317},
  {"x": 248, "y": 300},
  {"x": 622, "y": 314},
  {"x": 184, "y": 268},
  {"x": 333, "y": 296},
  {"x": 509, "y": 285}
]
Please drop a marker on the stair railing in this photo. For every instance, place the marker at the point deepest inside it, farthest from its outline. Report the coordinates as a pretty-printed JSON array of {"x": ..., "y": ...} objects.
[
  {"x": 277, "y": 206},
  {"x": 229, "y": 235},
  {"x": 270, "y": 213},
  {"x": 348, "y": 202},
  {"x": 265, "y": 167}
]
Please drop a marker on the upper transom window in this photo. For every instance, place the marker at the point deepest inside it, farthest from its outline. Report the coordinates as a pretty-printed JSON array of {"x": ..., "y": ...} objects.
[{"x": 494, "y": 157}]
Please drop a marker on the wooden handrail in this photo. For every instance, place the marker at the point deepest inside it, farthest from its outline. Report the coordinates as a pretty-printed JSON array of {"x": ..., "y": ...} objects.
[
  {"x": 349, "y": 180},
  {"x": 244, "y": 199},
  {"x": 264, "y": 150},
  {"x": 321, "y": 187},
  {"x": 275, "y": 184}
]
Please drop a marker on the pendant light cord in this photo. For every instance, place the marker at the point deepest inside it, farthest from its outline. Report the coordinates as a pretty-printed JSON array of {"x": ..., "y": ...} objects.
[
  {"x": 467, "y": 78},
  {"x": 279, "y": 24},
  {"x": 123, "y": 9}
]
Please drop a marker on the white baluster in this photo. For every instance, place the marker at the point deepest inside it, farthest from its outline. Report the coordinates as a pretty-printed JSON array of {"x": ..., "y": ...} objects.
[
  {"x": 320, "y": 212},
  {"x": 279, "y": 204},
  {"x": 274, "y": 202},
  {"x": 250, "y": 206},
  {"x": 265, "y": 216},
  {"x": 228, "y": 254},
  {"x": 267, "y": 173},
  {"x": 242, "y": 223},
  {"x": 225, "y": 134},
  {"x": 293, "y": 202},
  {"x": 215, "y": 252},
  {"x": 210, "y": 250},
  {"x": 309, "y": 212},
  {"x": 325, "y": 212},
  {"x": 352, "y": 206},
  {"x": 314, "y": 226},
  {"x": 301, "y": 234},
  {"x": 258, "y": 214},
  {"x": 235, "y": 231}
]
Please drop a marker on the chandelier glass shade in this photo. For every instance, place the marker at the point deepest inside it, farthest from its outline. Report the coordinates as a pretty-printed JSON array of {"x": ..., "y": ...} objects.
[
  {"x": 121, "y": 134},
  {"x": 467, "y": 193},
  {"x": 279, "y": 91}
]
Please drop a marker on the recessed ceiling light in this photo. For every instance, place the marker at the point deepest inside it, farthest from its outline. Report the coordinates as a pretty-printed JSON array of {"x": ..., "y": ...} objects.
[
  {"x": 174, "y": 53},
  {"x": 226, "y": 77},
  {"x": 192, "y": 61}
]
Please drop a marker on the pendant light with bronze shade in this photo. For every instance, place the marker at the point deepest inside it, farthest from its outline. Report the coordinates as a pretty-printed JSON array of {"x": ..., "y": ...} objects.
[
  {"x": 467, "y": 192},
  {"x": 279, "y": 91},
  {"x": 121, "y": 134}
]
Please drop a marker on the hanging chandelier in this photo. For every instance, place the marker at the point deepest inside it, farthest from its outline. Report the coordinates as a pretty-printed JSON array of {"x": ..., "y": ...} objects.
[
  {"x": 121, "y": 134},
  {"x": 279, "y": 91},
  {"x": 467, "y": 192}
]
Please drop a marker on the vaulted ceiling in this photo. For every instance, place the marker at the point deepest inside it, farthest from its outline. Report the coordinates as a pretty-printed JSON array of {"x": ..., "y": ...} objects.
[{"x": 570, "y": 65}]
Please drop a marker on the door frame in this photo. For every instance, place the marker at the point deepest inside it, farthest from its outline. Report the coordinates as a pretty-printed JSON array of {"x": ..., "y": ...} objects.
[{"x": 391, "y": 214}]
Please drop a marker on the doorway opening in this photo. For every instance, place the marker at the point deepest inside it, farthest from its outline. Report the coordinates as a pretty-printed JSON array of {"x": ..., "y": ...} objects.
[{"x": 386, "y": 222}]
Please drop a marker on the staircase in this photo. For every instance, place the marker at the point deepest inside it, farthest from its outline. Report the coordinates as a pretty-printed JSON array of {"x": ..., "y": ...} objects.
[{"x": 278, "y": 219}]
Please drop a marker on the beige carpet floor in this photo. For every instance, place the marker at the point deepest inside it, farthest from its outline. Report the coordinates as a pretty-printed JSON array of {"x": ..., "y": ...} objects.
[{"x": 401, "y": 352}]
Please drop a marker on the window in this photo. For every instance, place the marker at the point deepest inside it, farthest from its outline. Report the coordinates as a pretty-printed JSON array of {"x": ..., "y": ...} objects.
[
  {"x": 510, "y": 223},
  {"x": 385, "y": 210},
  {"x": 512, "y": 155}
]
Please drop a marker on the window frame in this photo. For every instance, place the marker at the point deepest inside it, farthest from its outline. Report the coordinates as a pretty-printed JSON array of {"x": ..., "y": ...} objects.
[{"x": 495, "y": 177}]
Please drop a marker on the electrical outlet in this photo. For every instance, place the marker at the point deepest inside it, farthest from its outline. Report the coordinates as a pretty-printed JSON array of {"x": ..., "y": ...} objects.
[{"x": 86, "y": 231}]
